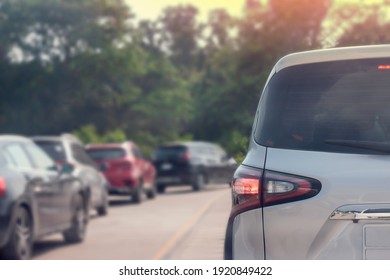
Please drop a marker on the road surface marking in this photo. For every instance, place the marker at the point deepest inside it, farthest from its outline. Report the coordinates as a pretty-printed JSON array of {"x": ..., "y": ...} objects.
[{"x": 183, "y": 230}]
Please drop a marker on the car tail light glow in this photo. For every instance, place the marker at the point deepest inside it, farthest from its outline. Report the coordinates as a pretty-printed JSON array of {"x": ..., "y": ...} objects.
[
  {"x": 254, "y": 188},
  {"x": 2, "y": 187},
  {"x": 384, "y": 67},
  {"x": 246, "y": 188}
]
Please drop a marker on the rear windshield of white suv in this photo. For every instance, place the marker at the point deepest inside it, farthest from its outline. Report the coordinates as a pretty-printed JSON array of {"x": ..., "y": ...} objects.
[{"x": 341, "y": 106}]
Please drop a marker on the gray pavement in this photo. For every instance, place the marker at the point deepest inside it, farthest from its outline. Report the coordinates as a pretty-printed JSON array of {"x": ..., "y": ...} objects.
[
  {"x": 206, "y": 238},
  {"x": 179, "y": 224}
]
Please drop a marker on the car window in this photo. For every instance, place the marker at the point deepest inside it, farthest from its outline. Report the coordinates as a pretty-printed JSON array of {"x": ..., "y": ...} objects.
[
  {"x": 81, "y": 155},
  {"x": 41, "y": 159},
  {"x": 54, "y": 149},
  {"x": 16, "y": 156},
  {"x": 306, "y": 106},
  {"x": 169, "y": 152},
  {"x": 106, "y": 153}
]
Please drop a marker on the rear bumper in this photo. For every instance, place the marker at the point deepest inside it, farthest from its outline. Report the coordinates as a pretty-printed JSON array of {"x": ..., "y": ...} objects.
[
  {"x": 182, "y": 177},
  {"x": 174, "y": 180},
  {"x": 121, "y": 184},
  {"x": 121, "y": 190}
]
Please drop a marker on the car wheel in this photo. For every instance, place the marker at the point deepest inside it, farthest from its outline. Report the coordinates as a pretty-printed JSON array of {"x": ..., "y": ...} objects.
[
  {"x": 199, "y": 182},
  {"x": 79, "y": 223},
  {"x": 151, "y": 193},
  {"x": 161, "y": 188},
  {"x": 20, "y": 245},
  {"x": 102, "y": 210},
  {"x": 138, "y": 193}
]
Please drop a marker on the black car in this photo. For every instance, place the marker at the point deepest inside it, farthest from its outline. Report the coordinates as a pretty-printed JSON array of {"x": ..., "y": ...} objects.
[
  {"x": 36, "y": 198},
  {"x": 67, "y": 148},
  {"x": 194, "y": 163}
]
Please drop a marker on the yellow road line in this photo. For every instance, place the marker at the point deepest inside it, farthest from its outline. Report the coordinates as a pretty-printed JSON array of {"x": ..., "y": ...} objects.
[{"x": 183, "y": 230}]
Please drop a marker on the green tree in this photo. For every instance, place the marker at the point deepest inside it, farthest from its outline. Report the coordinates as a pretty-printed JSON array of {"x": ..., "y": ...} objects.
[
  {"x": 367, "y": 26},
  {"x": 181, "y": 33},
  {"x": 228, "y": 91},
  {"x": 82, "y": 66},
  {"x": 46, "y": 30}
]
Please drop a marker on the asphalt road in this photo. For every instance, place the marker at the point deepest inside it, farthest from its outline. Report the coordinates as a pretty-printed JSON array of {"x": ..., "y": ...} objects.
[{"x": 179, "y": 224}]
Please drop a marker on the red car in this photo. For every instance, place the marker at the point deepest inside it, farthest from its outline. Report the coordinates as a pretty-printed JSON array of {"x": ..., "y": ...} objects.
[{"x": 127, "y": 171}]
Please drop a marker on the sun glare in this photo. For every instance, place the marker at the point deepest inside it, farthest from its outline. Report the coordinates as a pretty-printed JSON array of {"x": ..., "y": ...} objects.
[{"x": 151, "y": 9}]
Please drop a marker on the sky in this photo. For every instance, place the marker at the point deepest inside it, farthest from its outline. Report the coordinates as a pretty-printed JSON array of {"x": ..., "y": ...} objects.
[{"x": 150, "y": 9}]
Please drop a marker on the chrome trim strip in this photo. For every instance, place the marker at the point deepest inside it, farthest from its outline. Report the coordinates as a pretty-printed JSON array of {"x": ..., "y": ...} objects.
[{"x": 362, "y": 212}]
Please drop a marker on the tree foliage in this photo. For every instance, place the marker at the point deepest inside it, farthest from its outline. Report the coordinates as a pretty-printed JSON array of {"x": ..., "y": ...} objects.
[{"x": 88, "y": 67}]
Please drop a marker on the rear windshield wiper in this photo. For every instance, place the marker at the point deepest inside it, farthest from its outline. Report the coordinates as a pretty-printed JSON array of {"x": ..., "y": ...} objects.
[{"x": 382, "y": 147}]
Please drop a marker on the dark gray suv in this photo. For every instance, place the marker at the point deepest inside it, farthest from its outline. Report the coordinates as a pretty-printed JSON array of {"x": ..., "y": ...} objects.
[{"x": 194, "y": 163}]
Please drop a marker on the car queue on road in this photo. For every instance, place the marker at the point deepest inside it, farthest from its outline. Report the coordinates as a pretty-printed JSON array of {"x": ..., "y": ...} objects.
[{"x": 49, "y": 184}]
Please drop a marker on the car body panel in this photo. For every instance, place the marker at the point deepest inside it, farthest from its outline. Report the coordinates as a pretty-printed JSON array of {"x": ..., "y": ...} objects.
[
  {"x": 247, "y": 236},
  {"x": 347, "y": 179}
]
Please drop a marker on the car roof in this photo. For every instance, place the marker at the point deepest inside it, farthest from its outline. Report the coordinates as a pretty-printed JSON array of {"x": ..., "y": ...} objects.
[
  {"x": 333, "y": 54},
  {"x": 12, "y": 137},
  {"x": 190, "y": 144},
  {"x": 65, "y": 136},
  {"x": 110, "y": 145}
]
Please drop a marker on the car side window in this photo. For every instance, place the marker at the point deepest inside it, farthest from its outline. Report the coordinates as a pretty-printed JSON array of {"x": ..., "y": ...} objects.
[
  {"x": 16, "y": 156},
  {"x": 40, "y": 158}
]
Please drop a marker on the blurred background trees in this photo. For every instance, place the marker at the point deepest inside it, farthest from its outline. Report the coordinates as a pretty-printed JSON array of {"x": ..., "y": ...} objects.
[{"x": 89, "y": 67}]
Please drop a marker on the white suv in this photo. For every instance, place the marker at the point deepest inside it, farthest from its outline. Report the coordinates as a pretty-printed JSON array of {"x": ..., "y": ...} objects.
[{"x": 315, "y": 183}]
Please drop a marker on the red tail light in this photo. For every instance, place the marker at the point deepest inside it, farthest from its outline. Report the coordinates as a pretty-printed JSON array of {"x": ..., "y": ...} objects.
[
  {"x": 254, "y": 188},
  {"x": 384, "y": 67},
  {"x": 185, "y": 156},
  {"x": 2, "y": 187},
  {"x": 246, "y": 189}
]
